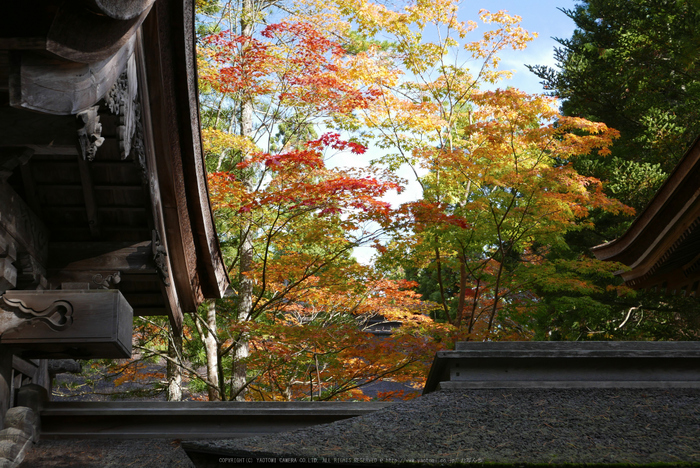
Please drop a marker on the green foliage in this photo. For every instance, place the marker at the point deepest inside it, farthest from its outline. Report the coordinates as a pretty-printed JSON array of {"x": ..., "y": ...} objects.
[{"x": 633, "y": 66}]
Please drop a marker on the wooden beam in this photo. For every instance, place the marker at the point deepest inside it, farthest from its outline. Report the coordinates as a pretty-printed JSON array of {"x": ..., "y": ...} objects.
[
  {"x": 68, "y": 150},
  {"x": 72, "y": 323},
  {"x": 96, "y": 279},
  {"x": 89, "y": 196},
  {"x": 62, "y": 87},
  {"x": 147, "y": 159},
  {"x": 102, "y": 256}
]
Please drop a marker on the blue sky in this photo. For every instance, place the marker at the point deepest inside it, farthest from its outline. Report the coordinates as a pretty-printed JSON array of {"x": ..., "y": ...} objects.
[{"x": 540, "y": 16}]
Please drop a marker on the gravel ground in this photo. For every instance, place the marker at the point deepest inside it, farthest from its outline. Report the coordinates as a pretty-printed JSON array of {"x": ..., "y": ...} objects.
[
  {"x": 514, "y": 426},
  {"x": 98, "y": 453}
]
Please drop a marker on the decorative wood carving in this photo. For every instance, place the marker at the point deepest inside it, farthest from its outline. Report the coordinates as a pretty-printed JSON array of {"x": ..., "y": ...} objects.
[
  {"x": 8, "y": 272},
  {"x": 16, "y": 313},
  {"x": 104, "y": 282},
  {"x": 90, "y": 135},
  {"x": 160, "y": 256},
  {"x": 121, "y": 101},
  {"x": 67, "y": 323},
  {"x": 138, "y": 147}
]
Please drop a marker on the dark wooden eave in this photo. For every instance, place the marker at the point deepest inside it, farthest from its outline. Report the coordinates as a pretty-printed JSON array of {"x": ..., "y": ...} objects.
[
  {"x": 147, "y": 218},
  {"x": 662, "y": 246}
]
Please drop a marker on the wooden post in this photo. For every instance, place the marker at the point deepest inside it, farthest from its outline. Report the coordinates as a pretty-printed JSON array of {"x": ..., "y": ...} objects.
[{"x": 5, "y": 381}]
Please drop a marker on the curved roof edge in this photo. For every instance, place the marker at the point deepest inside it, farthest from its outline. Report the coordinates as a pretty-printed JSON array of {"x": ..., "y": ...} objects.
[
  {"x": 169, "y": 43},
  {"x": 657, "y": 220}
]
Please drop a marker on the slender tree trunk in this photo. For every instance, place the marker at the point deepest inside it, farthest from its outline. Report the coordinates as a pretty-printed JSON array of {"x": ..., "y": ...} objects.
[
  {"x": 438, "y": 264},
  {"x": 245, "y": 292},
  {"x": 496, "y": 292},
  {"x": 472, "y": 319},
  {"x": 174, "y": 367},
  {"x": 211, "y": 348},
  {"x": 462, "y": 290}
]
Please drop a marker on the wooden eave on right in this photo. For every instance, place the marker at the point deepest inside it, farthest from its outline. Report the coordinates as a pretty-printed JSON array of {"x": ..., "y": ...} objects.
[{"x": 662, "y": 246}]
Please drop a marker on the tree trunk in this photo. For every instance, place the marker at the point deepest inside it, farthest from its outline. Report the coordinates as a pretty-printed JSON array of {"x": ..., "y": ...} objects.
[
  {"x": 174, "y": 366},
  {"x": 443, "y": 299},
  {"x": 245, "y": 293},
  {"x": 462, "y": 289},
  {"x": 238, "y": 380},
  {"x": 211, "y": 348},
  {"x": 496, "y": 291}
]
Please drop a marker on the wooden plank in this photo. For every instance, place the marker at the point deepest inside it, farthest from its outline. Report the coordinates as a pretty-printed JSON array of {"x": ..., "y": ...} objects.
[
  {"x": 54, "y": 150},
  {"x": 144, "y": 281},
  {"x": 57, "y": 173},
  {"x": 121, "y": 195},
  {"x": 102, "y": 256},
  {"x": 113, "y": 197},
  {"x": 31, "y": 129},
  {"x": 574, "y": 364},
  {"x": 115, "y": 173},
  {"x": 109, "y": 234},
  {"x": 138, "y": 277},
  {"x": 106, "y": 209}
]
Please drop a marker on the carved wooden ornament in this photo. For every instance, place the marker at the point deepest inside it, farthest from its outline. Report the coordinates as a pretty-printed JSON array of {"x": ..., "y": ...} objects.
[
  {"x": 90, "y": 135},
  {"x": 67, "y": 323}
]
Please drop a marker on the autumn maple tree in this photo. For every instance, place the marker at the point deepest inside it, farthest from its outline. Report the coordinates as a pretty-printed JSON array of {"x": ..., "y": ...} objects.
[
  {"x": 298, "y": 221},
  {"x": 476, "y": 255},
  {"x": 494, "y": 167}
]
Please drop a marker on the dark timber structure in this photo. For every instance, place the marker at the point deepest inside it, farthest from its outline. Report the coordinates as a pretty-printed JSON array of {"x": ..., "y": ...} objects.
[
  {"x": 662, "y": 247},
  {"x": 104, "y": 209}
]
